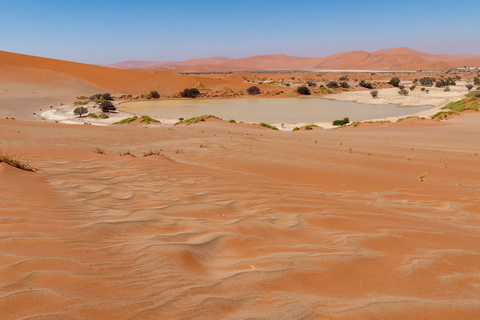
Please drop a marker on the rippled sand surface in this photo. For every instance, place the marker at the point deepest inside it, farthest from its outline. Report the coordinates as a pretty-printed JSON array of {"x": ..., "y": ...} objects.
[{"x": 230, "y": 222}]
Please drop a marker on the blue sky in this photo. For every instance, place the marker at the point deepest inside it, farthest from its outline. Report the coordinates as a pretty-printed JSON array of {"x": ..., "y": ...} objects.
[{"x": 111, "y": 31}]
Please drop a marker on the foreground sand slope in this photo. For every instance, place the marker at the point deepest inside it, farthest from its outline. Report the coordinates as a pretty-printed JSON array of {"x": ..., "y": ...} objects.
[{"x": 232, "y": 222}]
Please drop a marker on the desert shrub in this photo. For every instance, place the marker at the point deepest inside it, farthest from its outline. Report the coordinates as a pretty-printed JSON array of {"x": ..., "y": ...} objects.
[
  {"x": 412, "y": 87},
  {"x": 79, "y": 111},
  {"x": 332, "y": 84},
  {"x": 253, "y": 90},
  {"x": 343, "y": 78},
  {"x": 232, "y": 121},
  {"x": 477, "y": 94},
  {"x": 401, "y": 87},
  {"x": 365, "y": 84},
  {"x": 92, "y": 115},
  {"x": 154, "y": 94},
  {"x": 303, "y": 90},
  {"x": 440, "y": 83},
  {"x": 148, "y": 120},
  {"x": 197, "y": 119},
  {"x": 126, "y": 120},
  {"x": 476, "y": 81},
  {"x": 107, "y": 96},
  {"x": 344, "y": 85},
  {"x": 12, "y": 161},
  {"x": 103, "y": 116},
  {"x": 395, "y": 81},
  {"x": 469, "y": 86},
  {"x": 96, "y": 96},
  {"x": 426, "y": 81},
  {"x": 190, "y": 93},
  {"x": 403, "y": 92},
  {"x": 305, "y": 127},
  {"x": 341, "y": 122},
  {"x": 107, "y": 106},
  {"x": 311, "y": 83},
  {"x": 266, "y": 125},
  {"x": 446, "y": 89},
  {"x": 80, "y": 102},
  {"x": 374, "y": 93}
]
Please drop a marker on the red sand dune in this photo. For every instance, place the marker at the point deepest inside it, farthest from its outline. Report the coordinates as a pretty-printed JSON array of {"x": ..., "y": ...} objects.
[
  {"x": 388, "y": 59},
  {"x": 115, "y": 80}
]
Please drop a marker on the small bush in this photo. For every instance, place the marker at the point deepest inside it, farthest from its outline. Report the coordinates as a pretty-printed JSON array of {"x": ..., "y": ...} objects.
[
  {"x": 197, "y": 119},
  {"x": 232, "y": 121},
  {"x": 303, "y": 91},
  {"x": 99, "y": 150},
  {"x": 154, "y": 94},
  {"x": 446, "y": 89},
  {"x": 126, "y": 120},
  {"x": 332, "y": 84},
  {"x": 81, "y": 103},
  {"x": 403, "y": 92},
  {"x": 374, "y": 93},
  {"x": 469, "y": 86},
  {"x": 253, "y": 90},
  {"x": 311, "y": 83},
  {"x": 426, "y": 81},
  {"x": 190, "y": 93},
  {"x": 365, "y": 84},
  {"x": 103, "y": 116},
  {"x": 395, "y": 81},
  {"x": 412, "y": 87},
  {"x": 148, "y": 120},
  {"x": 92, "y": 115},
  {"x": 344, "y": 84},
  {"x": 156, "y": 152},
  {"x": 79, "y": 111},
  {"x": 341, "y": 122}
]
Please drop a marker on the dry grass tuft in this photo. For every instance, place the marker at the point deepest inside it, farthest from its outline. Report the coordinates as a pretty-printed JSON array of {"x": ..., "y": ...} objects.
[
  {"x": 99, "y": 150},
  {"x": 156, "y": 152},
  {"x": 126, "y": 153},
  {"x": 12, "y": 161}
]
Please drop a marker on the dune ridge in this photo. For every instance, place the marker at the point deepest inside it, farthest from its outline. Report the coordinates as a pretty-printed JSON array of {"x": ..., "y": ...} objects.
[{"x": 402, "y": 58}]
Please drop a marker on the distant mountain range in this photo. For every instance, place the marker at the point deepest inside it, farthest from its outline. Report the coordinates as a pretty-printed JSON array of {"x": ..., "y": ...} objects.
[{"x": 388, "y": 59}]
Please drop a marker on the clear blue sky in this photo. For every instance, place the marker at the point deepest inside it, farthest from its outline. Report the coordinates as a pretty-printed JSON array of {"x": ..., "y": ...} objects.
[{"x": 112, "y": 31}]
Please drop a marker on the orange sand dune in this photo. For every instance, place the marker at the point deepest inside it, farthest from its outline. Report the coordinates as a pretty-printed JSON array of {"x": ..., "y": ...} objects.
[
  {"x": 234, "y": 222},
  {"x": 388, "y": 59},
  {"x": 114, "y": 80}
]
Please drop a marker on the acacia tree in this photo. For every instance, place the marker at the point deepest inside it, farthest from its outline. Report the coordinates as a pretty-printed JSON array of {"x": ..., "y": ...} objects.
[
  {"x": 107, "y": 106},
  {"x": 79, "y": 111}
]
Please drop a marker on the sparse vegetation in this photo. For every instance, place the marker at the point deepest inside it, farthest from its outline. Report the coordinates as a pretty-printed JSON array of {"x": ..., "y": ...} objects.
[
  {"x": 341, "y": 122},
  {"x": 126, "y": 153},
  {"x": 365, "y": 84},
  {"x": 97, "y": 96},
  {"x": 99, "y": 150},
  {"x": 426, "y": 81},
  {"x": 154, "y": 94},
  {"x": 403, "y": 92},
  {"x": 80, "y": 103},
  {"x": 232, "y": 121},
  {"x": 332, "y": 84},
  {"x": 253, "y": 90},
  {"x": 197, "y": 119},
  {"x": 126, "y": 120},
  {"x": 156, "y": 152},
  {"x": 148, "y": 120},
  {"x": 374, "y": 93},
  {"x": 395, "y": 81},
  {"x": 16, "y": 163},
  {"x": 305, "y": 127},
  {"x": 412, "y": 87},
  {"x": 107, "y": 96},
  {"x": 103, "y": 116},
  {"x": 469, "y": 86},
  {"x": 266, "y": 125},
  {"x": 92, "y": 115}
]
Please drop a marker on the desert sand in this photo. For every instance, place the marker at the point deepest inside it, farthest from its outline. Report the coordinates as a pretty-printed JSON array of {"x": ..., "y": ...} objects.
[{"x": 230, "y": 221}]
